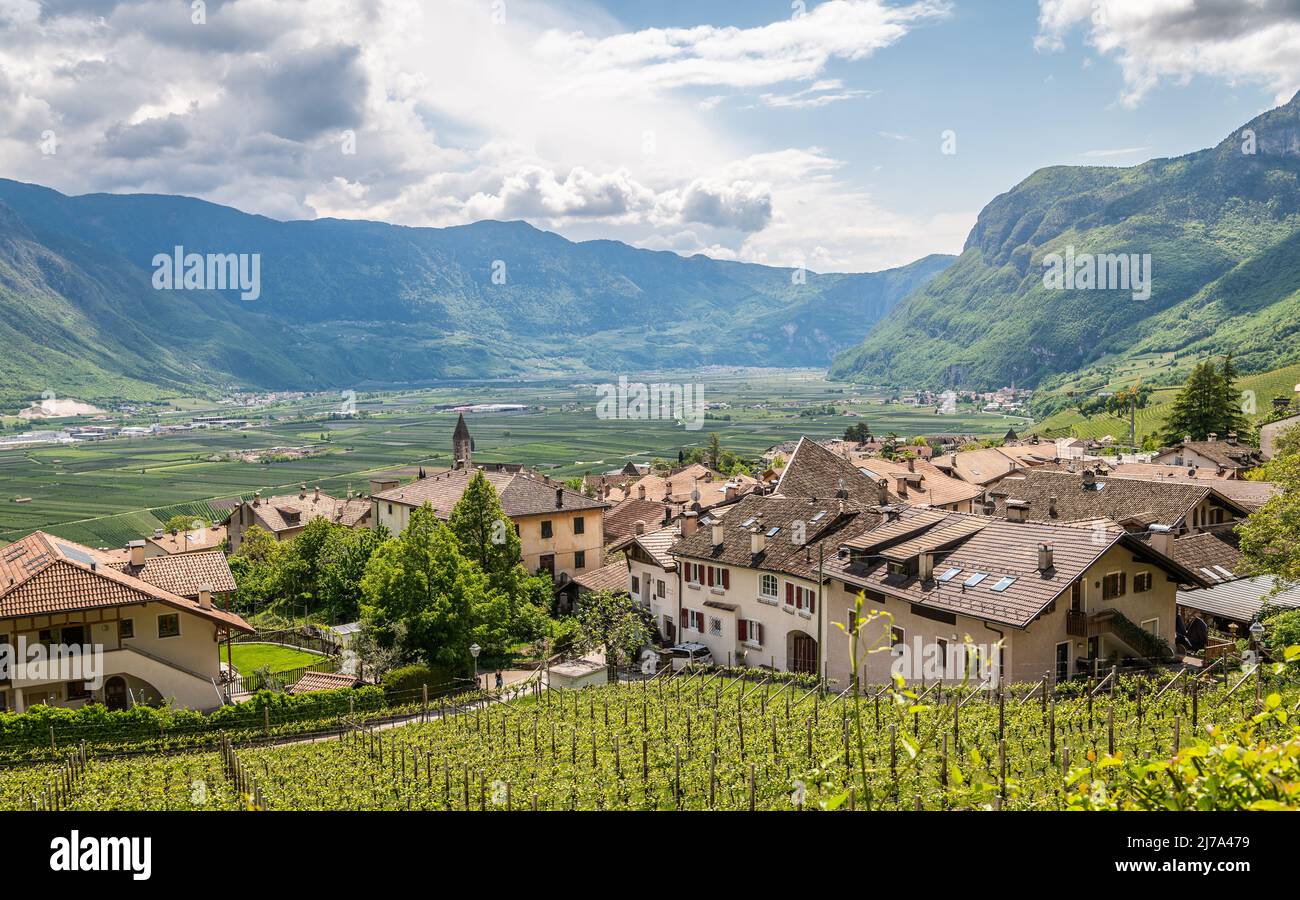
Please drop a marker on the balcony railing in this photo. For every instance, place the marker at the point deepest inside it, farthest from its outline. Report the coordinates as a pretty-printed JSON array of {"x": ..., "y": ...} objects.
[{"x": 1076, "y": 623}]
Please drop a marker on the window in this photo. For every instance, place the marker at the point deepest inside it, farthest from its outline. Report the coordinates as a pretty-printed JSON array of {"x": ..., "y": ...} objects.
[
  {"x": 661, "y": 588},
  {"x": 126, "y": 628},
  {"x": 1142, "y": 582},
  {"x": 1003, "y": 584},
  {"x": 715, "y": 626},
  {"x": 749, "y": 632},
  {"x": 718, "y": 577},
  {"x": 390, "y": 509},
  {"x": 801, "y": 598},
  {"x": 579, "y": 525},
  {"x": 693, "y": 619},
  {"x": 547, "y": 531},
  {"x": 767, "y": 586},
  {"x": 580, "y": 559},
  {"x": 1113, "y": 585},
  {"x": 694, "y": 573},
  {"x": 77, "y": 690},
  {"x": 975, "y": 579},
  {"x": 896, "y": 568},
  {"x": 169, "y": 625},
  {"x": 949, "y": 575},
  {"x": 897, "y": 638},
  {"x": 636, "y": 584},
  {"x": 1152, "y": 626}
]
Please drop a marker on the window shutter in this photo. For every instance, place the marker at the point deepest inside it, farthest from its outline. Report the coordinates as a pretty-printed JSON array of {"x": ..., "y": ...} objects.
[
  {"x": 710, "y": 568},
  {"x": 1123, "y": 583},
  {"x": 812, "y": 602},
  {"x": 758, "y": 627},
  {"x": 741, "y": 630},
  {"x": 789, "y": 593},
  {"x": 726, "y": 580}
]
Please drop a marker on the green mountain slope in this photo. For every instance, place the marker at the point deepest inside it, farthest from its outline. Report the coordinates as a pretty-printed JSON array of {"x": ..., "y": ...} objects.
[
  {"x": 355, "y": 303},
  {"x": 1222, "y": 228}
]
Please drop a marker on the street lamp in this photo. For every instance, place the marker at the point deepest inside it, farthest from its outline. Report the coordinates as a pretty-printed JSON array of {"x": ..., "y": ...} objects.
[{"x": 474, "y": 651}]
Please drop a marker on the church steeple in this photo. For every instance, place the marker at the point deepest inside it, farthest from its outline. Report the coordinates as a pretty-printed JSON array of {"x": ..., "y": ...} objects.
[{"x": 462, "y": 445}]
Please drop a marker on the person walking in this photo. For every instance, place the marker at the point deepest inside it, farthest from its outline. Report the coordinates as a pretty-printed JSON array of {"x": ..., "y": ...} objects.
[{"x": 500, "y": 680}]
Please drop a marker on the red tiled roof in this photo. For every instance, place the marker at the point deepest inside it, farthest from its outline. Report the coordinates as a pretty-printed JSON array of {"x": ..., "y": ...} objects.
[
  {"x": 184, "y": 574},
  {"x": 322, "y": 681}
]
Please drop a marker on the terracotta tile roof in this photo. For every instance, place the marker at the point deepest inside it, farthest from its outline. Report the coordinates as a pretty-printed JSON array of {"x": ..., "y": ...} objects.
[
  {"x": 775, "y": 518},
  {"x": 285, "y": 512},
  {"x": 322, "y": 681},
  {"x": 612, "y": 578},
  {"x": 184, "y": 573},
  {"x": 620, "y": 521},
  {"x": 815, "y": 472},
  {"x": 522, "y": 493},
  {"x": 1007, "y": 555},
  {"x": 1222, "y": 453},
  {"x": 193, "y": 541},
  {"x": 1213, "y": 553},
  {"x": 925, "y": 484},
  {"x": 1124, "y": 500},
  {"x": 1181, "y": 473},
  {"x": 1250, "y": 494},
  {"x": 983, "y": 466},
  {"x": 43, "y": 574},
  {"x": 657, "y": 544},
  {"x": 679, "y": 487}
]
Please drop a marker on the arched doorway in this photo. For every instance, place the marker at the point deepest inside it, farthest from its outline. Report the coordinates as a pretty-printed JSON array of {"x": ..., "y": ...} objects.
[
  {"x": 115, "y": 692},
  {"x": 801, "y": 653}
]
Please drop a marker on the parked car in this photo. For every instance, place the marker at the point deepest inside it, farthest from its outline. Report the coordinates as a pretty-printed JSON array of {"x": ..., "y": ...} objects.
[{"x": 691, "y": 654}]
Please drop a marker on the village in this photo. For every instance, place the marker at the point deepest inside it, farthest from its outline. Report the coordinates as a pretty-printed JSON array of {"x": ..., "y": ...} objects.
[{"x": 1070, "y": 562}]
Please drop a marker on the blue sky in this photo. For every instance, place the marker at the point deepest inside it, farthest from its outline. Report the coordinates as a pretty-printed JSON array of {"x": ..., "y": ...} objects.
[{"x": 745, "y": 130}]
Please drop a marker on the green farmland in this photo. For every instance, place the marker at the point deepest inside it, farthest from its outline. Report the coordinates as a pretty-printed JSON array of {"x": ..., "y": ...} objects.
[{"x": 106, "y": 493}]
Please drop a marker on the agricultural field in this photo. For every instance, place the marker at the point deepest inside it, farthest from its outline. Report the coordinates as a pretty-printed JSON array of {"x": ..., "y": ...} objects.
[
  {"x": 712, "y": 742},
  {"x": 106, "y": 493}
]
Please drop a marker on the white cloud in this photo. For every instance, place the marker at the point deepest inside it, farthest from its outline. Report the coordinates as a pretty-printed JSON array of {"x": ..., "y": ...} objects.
[
  {"x": 1255, "y": 41},
  {"x": 558, "y": 115}
]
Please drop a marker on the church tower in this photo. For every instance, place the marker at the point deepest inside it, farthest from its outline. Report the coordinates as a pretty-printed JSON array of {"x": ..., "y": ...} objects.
[{"x": 462, "y": 445}]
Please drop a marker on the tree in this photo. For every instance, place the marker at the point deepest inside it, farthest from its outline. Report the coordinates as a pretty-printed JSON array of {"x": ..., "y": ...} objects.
[
  {"x": 1270, "y": 538},
  {"x": 859, "y": 432},
  {"x": 184, "y": 523},
  {"x": 714, "y": 451},
  {"x": 486, "y": 535},
  {"x": 341, "y": 566},
  {"x": 614, "y": 621},
  {"x": 1209, "y": 403},
  {"x": 421, "y": 593}
]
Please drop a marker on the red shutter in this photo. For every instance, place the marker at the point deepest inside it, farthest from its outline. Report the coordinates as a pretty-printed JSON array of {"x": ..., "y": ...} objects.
[
  {"x": 726, "y": 579},
  {"x": 741, "y": 631},
  {"x": 789, "y": 593},
  {"x": 812, "y": 602},
  {"x": 710, "y": 568}
]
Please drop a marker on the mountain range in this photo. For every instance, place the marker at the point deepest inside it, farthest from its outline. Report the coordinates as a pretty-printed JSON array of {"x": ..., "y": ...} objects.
[
  {"x": 346, "y": 303},
  {"x": 1222, "y": 230}
]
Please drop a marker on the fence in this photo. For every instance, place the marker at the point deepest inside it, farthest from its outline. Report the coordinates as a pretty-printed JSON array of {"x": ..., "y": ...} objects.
[
  {"x": 317, "y": 643},
  {"x": 272, "y": 681}
]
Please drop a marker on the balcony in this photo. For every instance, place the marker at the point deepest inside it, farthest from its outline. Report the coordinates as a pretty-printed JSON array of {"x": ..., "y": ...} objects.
[{"x": 1076, "y": 623}]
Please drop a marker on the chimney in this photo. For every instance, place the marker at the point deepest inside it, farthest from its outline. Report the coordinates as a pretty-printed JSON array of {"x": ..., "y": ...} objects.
[
  {"x": 757, "y": 541},
  {"x": 1232, "y": 438},
  {"x": 316, "y": 493},
  {"x": 925, "y": 569},
  {"x": 1016, "y": 510},
  {"x": 1212, "y": 437},
  {"x": 1045, "y": 557},
  {"x": 690, "y": 522},
  {"x": 911, "y": 464},
  {"x": 640, "y": 491},
  {"x": 302, "y": 492},
  {"x": 1051, "y": 506},
  {"x": 717, "y": 534},
  {"x": 882, "y": 492},
  {"x": 559, "y": 498},
  {"x": 1162, "y": 540},
  {"x": 730, "y": 492},
  {"x": 157, "y": 534},
  {"x": 379, "y": 485},
  {"x": 137, "y": 552},
  {"x": 205, "y": 596},
  {"x": 639, "y": 526},
  {"x": 900, "y": 485},
  {"x": 1089, "y": 478}
]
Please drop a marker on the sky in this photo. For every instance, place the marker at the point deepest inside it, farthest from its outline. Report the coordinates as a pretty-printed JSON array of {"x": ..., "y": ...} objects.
[{"x": 844, "y": 135}]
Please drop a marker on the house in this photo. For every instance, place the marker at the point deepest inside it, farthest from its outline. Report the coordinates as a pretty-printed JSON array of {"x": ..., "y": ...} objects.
[
  {"x": 650, "y": 571},
  {"x": 156, "y": 621},
  {"x": 1251, "y": 495},
  {"x": 561, "y": 532},
  {"x": 1040, "y": 495},
  {"x": 813, "y": 472},
  {"x": 624, "y": 517},
  {"x": 1056, "y": 598},
  {"x": 982, "y": 467},
  {"x": 192, "y": 540},
  {"x": 285, "y": 515},
  {"x": 1236, "y": 602},
  {"x": 687, "y": 486},
  {"x": 611, "y": 578},
  {"x": 749, "y": 584},
  {"x": 917, "y": 482},
  {"x": 1229, "y": 455},
  {"x": 1268, "y": 434}
]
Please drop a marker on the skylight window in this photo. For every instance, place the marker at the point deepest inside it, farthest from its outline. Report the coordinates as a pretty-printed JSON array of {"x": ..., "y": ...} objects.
[
  {"x": 1224, "y": 571},
  {"x": 771, "y": 532},
  {"x": 819, "y": 516},
  {"x": 975, "y": 579},
  {"x": 750, "y": 521},
  {"x": 1003, "y": 584},
  {"x": 949, "y": 575}
]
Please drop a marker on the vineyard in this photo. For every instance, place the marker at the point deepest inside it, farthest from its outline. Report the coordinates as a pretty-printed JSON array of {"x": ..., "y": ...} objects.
[{"x": 706, "y": 741}]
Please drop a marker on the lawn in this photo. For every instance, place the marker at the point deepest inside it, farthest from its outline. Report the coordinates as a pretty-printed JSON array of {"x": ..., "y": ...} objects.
[{"x": 250, "y": 657}]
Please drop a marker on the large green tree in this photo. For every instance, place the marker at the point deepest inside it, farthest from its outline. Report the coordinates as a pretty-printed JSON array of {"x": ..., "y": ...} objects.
[
  {"x": 615, "y": 622},
  {"x": 1270, "y": 538},
  {"x": 422, "y": 593},
  {"x": 1209, "y": 403},
  {"x": 486, "y": 535}
]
